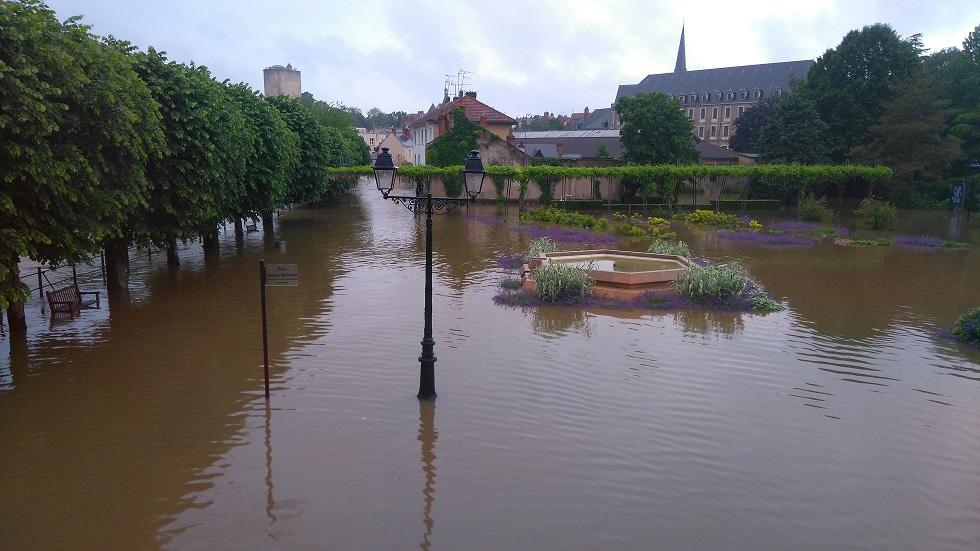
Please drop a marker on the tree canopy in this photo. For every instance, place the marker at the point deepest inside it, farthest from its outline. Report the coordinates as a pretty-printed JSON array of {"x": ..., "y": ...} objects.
[
  {"x": 851, "y": 85},
  {"x": 655, "y": 130},
  {"x": 749, "y": 125},
  {"x": 795, "y": 134}
]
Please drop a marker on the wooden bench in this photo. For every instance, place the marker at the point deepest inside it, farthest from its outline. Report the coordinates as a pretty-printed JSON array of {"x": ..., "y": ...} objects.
[
  {"x": 249, "y": 228},
  {"x": 68, "y": 300}
]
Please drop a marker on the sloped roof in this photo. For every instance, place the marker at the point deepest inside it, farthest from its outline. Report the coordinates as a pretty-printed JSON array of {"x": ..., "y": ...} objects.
[
  {"x": 765, "y": 77},
  {"x": 712, "y": 151},
  {"x": 600, "y": 119},
  {"x": 474, "y": 108},
  {"x": 574, "y": 142}
]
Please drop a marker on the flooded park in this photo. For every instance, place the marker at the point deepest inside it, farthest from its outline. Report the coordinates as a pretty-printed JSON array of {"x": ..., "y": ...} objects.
[{"x": 842, "y": 422}]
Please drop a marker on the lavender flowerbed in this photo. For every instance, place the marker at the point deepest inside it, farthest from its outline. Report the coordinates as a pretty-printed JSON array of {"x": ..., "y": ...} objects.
[{"x": 767, "y": 239}]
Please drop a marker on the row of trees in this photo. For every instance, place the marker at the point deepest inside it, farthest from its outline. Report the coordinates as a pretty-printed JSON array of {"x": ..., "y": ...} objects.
[
  {"x": 876, "y": 98},
  {"x": 105, "y": 147}
]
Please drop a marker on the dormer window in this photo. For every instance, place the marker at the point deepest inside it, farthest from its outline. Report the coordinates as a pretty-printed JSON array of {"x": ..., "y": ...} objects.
[
  {"x": 777, "y": 92},
  {"x": 717, "y": 96},
  {"x": 742, "y": 94}
]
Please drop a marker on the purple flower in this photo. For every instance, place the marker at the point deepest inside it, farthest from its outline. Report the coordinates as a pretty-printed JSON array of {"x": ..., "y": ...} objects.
[
  {"x": 918, "y": 241},
  {"x": 510, "y": 261},
  {"x": 795, "y": 226},
  {"x": 767, "y": 239}
]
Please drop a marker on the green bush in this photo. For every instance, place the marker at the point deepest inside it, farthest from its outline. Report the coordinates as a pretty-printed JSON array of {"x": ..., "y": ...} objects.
[
  {"x": 538, "y": 246},
  {"x": 873, "y": 214},
  {"x": 967, "y": 327},
  {"x": 815, "y": 210},
  {"x": 557, "y": 281},
  {"x": 700, "y": 283},
  {"x": 662, "y": 247}
]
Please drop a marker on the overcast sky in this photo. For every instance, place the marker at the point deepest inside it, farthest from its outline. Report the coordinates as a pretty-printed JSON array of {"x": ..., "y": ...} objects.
[{"x": 521, "y": 56}]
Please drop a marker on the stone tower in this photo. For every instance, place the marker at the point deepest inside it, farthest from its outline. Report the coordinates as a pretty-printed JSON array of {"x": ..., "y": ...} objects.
[{"x": 281, "y": 80}]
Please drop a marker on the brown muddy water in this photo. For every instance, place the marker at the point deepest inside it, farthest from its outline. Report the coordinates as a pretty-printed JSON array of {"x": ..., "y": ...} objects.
[{"x": 841, "y": 423}]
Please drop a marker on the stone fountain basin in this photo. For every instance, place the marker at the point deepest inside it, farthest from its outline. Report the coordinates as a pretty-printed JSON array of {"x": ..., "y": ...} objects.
[{"x": 618, "y": 274}]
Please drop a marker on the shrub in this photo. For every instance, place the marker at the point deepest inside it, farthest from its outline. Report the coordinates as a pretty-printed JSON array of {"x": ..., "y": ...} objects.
[
  {"x": 967, "y": 327},
  {"x": 815, "y": 210},
  {"x": 511, "y": 283},
  {"x": 662, "y": 247},
  {"x": 542, "y": 245},
  {"x": 558, "y": 282},
  {"x": 873, "y": 214},
  {"x": 709, "y": 218},
  {"x": 700, "y": 283}
]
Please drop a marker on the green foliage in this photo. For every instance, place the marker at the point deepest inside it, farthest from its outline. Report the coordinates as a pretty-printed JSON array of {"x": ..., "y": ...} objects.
[
  {"x": 709, "y": 218},
  {"x": 272, "y": 156},
  {"x": 540, "y": 124},
  {"x": 874, "y": 214},
  {"x": 794, "y": 134},
  {"x": 77, "y": 126},
  {"x": 198, "y": 179},
  {"x": 663, "y": 247},
  {"x": 812, "y": 209},
  {"x": 699, "y": 283},
  {"x": 910, "y": 137},
  {"x": 851, "y": 85},
  {"x": 967, "y": 327},
  {"x": 511, "y": 283},
  {"x": 655, "y": 130},
  {"x": 602, "y": 152},
  {"x": 637, "y": 227},
  {"x": 565, "y": 218},
  {"x": 762, "y": 302},
  {"x": 538, "y": 246},
  {"x": 311, "y": 182},
  {"x": 451, "y": 148},
  {"x": 557, "y": 281}
]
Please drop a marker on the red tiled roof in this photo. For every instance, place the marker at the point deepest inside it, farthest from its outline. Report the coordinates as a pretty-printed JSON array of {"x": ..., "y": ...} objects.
[{"x": 474, "y": 108}]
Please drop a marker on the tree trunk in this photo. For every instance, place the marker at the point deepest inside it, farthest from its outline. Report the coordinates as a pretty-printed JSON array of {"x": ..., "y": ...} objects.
[
  {"x": 173, "y": 258},
  {"x": 267, "y": 223},
  {"x": 116, "y": 268},
  {"x": 16, "y": 320},
  {"x": 211, "y": 240},
  {"x": 239, "y": 235}
]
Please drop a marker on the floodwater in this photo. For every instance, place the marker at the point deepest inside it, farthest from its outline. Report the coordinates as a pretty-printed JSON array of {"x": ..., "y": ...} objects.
[{"x": 840, "y": 423}]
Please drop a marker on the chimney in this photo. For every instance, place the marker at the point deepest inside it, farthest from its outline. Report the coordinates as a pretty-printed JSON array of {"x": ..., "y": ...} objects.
[
  {"x": 559, "y": 149},
  {"x": 510, "y": 138},
  {"x": 406, "y": 133},
  {"x": 483, "y": 120},
  {"x": 586, "y": 112}
]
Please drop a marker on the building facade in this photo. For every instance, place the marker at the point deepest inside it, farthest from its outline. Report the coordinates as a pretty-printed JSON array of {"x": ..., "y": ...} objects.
[
  {"x": 713, "y": 98},
  {"x": 440, "y": 119}
]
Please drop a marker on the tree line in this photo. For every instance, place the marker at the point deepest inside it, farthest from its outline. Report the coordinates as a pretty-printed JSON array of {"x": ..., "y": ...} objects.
[
  {"x": 878, "y": 99},
  {"x": 105, "y": 147}
]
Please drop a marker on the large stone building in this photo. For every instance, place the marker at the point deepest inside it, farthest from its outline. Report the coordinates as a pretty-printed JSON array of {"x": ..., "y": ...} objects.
[
  {"x": 281, "y": 80},
  {"x": 714, "y": 98}
]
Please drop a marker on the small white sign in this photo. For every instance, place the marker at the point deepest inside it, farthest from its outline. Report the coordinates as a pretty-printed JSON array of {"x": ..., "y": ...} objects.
[{"x": 282, "y": 275}]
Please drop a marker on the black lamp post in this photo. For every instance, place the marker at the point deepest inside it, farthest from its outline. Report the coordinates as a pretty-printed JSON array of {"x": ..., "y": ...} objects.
[{"x": 384, "y": 175}]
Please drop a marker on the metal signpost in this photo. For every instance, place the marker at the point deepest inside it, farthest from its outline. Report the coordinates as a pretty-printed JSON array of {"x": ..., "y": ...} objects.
[{"x": 276, "y": 275}]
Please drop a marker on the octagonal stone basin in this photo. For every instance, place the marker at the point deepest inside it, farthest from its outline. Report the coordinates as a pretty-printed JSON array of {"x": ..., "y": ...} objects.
[{"x": 617, "y": 274}]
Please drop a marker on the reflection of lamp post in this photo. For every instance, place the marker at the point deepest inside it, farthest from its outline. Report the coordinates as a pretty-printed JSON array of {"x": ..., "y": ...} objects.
[
  {"x": 428, "y": 436},
  {"x": 384, "y": 175}
]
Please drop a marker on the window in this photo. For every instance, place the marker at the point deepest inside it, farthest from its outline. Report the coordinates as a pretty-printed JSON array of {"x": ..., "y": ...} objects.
[
  {"x": 704, "y": 97},
  {"x": 776, "y": 92},
  {"x": 702, "y": 113},
  {"x": 372, "y": 141},
  {"x": 690, "y": 113},
  {"x": 694, "y": 98},
  {"x": 755, "y": 94},
  {"x": 700, "y": 131},
  {"x": 724, "y": 131},
  {"x": 717, "y": 96},
  {"x": 741, "y": 94},
  {"x": 741, "y": 109},
  {"x": 728, "y": 113},
  {"x": 730, "y": 96},
  {"x": 714, "y": 131},
  {"x": 714, "y": 114},
  {"x": 681, "y": 99}
]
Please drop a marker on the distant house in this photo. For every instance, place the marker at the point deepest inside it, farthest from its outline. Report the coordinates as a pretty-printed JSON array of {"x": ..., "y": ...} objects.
[
  {"x": 401, "y": 147},
  {"x": 569, "y": 144},
  {"x": 714, "y": 98},
  {"x": 373, "y": 136},
  {"x": 440, "y": 119}
]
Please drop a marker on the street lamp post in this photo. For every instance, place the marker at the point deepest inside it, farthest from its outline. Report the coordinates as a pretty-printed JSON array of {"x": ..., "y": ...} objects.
[{"x": 384, "y": 176}]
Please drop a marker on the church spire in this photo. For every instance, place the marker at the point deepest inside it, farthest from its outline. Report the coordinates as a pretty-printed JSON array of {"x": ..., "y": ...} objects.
[{"x": 681, "y": 65}]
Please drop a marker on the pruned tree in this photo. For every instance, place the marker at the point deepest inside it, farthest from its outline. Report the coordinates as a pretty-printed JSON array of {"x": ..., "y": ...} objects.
[{"x": 655, "y": 130}]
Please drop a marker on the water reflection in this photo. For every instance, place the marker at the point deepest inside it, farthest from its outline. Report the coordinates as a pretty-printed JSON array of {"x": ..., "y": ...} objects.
[
  {"x": 556, "y": 321},
  {"x": 428, "y": 436},
  {"x": 707, "y": 324}
]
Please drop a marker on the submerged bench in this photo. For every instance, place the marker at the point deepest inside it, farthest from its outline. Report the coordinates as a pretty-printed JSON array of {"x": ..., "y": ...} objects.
[{"x": 68, "y": 300}]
